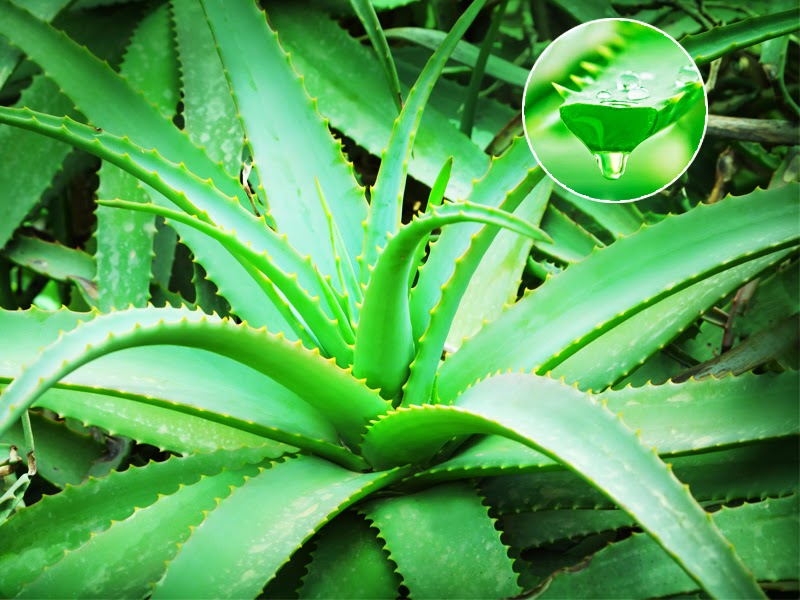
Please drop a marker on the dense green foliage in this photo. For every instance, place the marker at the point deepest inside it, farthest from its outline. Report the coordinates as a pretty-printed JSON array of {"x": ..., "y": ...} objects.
[{"x": 255, "y": 361}]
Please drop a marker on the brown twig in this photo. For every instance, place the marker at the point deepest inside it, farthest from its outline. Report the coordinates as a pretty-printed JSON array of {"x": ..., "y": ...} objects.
[{"x": 771, "y": 131}]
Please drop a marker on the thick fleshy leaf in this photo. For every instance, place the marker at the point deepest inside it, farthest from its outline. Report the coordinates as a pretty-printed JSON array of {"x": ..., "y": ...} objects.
[
  {"x": 177, "y": 184},
  {"x": 386, "y": 198},
  {"x": 384, "y": 341},
  {"x": 350, "y": 88},
  {"x": 24, "y": 177},
  {"x": 613, "y": 355},
  {"x": 150, "y": 536},
  {"x": 444, "y": 543},
  {"x": 765, "y": 535},
  {"x": 710, "y": 45},
  {"x": 368, "y": 18},
  {"x": 673, "y": 418},
  {"x": 267, "y": 274},
  {"x": 567, "y": 312},
  {"x": 79, "y": 511},
  {"x": 231, "y": 557},
  {"x": 125, "y": 241},
  {"x": 172, "y": 430},
  {"x": 111, "y": 103},
  {"x": 586, "y": 437},
  {"x": 192, "y": 387},
  {"x": 422, "y": 373},
  {"x": 49, "y": 258},
  {"x": 515, "y": 173},
  {"x": 63, "y": 456},
  {"x": 750, "y": 472},
  {"x": 349, "y": 561},
  {"x": 209, "y": 112},
  {"x": 345, "y": 401},
  {"x": 270, "y": 86},
  {"x": 496, "y": 281},
  {"x": 464, "y": 53}
]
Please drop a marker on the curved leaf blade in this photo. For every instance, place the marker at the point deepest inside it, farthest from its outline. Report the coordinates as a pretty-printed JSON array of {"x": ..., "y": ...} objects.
[
  {"x": 231, "y": 557},
  {"x": 710, "y": 45},
  {"x": 421, "y": 531},
  {"x": 567, "y": 312},
  {"x": 268, "y": 87},
  {"x": 384, "y": 343},
  {"x": 587, "y": 438},
  {"x": 387, "y": 195},
  {"x": 344, "y": 400}
]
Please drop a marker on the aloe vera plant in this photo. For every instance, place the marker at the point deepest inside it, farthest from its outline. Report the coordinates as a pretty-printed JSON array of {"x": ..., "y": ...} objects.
[{"x": 317, "y": 427}]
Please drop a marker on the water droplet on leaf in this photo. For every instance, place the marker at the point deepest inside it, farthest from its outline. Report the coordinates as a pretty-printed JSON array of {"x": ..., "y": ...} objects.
[
  {"x": 646, "y": 76},
  {"x": 612, "y": 164},
  {"x": 603, "y": 95},
  {"x": 686, "y": 75},
  {"x": 639, "y": 93},
  {"x": 628, "y": 81}
]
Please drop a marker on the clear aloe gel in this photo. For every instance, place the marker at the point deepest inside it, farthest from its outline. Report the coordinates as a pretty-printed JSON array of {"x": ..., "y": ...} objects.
[{"x": 618, "y": 107}]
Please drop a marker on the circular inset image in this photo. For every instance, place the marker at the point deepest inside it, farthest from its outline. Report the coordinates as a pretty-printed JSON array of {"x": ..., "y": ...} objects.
[{"x": 615, "y": 110}]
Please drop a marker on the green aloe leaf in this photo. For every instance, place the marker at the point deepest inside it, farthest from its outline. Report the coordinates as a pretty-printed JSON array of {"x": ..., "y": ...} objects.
[
  {"x": 111, "y": 103},
  {"x": 150, "y": 534},
  {"x": 496, "y": 281},
  {"x": 595, "y": 295},
  {"x": 609, "y": 573},
  {"x": 83, "y": 510},
  {"x": 125, "y": 241},
  {"x": 50, "y": 258},
  {"x": 345, "y": 401},
  {"x": 25, "y": 177},
  {"x": 571, "y": 242},
  {"x": 387, "y": 195},
  {"x": 350, "y": 89},
  {"x": 325, "y": 330},
  {"x": 754, "y": 471},
  {"x": 384, "y": 342},
  {"x": 617, "y": 219},
  {"x": 673, "y": 418},
  {"x": 369, "y": 19},
  {"x": 710, "y": 45},
  {"x": 542, "y": 527},
  {"x": 145, "y": 387},
  {"x": 209, "y": 112},
  {"x": 349, "y": 561},
  {"x": 588, "y": 438},
  {"x": 9, "y": 55},
  {"x": 422, "y": 372},
  {"x": 63, "y": 456},
  {"x": 464, "y": 53},
  {"x": 444, "y": 517},
  {"x": 105, "y": 97},
  {"x": 635, "y": 340},
  {"x": 270, "y": 86},
  {"x": 177, "y": 184},
  {"x": 514, "y": 172},
  {"x": 435, "y": 198},
  {"x": 286, "y": 505}
]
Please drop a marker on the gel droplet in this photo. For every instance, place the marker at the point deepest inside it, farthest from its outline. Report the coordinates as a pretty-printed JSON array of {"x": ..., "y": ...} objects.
[
  {"x": 639, "y": 93},
  {"x": 603, "y": 95},
  {"x": 628, "y": 81},
  {"x": 685, "y": 76},
  {"x": 612, "y": 164}
]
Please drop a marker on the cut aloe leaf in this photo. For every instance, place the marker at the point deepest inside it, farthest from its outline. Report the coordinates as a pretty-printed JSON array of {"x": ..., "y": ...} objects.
[{"x": 623, "y": 100}]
